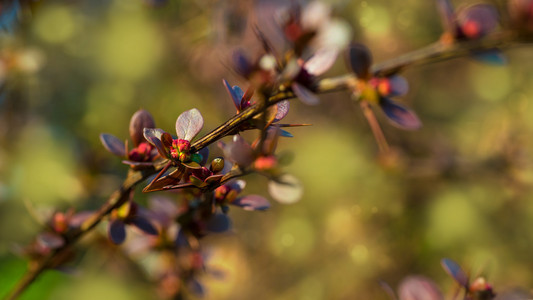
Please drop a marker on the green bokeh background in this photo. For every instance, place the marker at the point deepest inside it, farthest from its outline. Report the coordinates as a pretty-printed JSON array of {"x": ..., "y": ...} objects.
[{"x": 460, "y": 187}]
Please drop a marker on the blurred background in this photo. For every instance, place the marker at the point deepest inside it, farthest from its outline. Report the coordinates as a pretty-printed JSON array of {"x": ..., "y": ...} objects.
[{"x": 460, "y": 187}]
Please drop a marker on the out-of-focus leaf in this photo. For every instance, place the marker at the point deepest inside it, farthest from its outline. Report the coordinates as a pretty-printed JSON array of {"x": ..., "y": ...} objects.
[
  {"x": 50, "y": 240},
  {"x": 196, "y": 287},
  {"x": 241, "y": 63},
  {"x": 321, "y": 61},
  {"x": 238, "y": 151},
  {"x": 388, "y": 289},
  {"x": 117, "y": 231},
  {"x": 477, "y": 20},
  {"x": 9, "y": 12},
  {"x": 285, "y": 133},
  {"x": 493, "y": 57},
  {"x": 304, "y": 94},
  {"x": 181, "y": 239},
  {"x": 154, "y": 136},
  {"x": 217, "y": 273},
  {"x": 137, "y": 164},
  {"x": 113, "y": 144},
  {"x": 218, "y": 223},
  {"x": 418, "y": 288},
  {"x": 455, "y": 271},
  {"x": 399, "y": 115},
  {"x": 79, "y": 218},
  {"x": 204, "y": 152},
  {"x": 282, "y": 109},
  {"x": 398, "y": 86},
  {"x": 140, "y": 120},
  {"x": 447, "y": 15},
  {"x": 252, "y": 202},
  {"x": 286, "y": 190},
  {"x": 144, "y": 225},
  {"x": 515, "y": 294},
  {"x": 359, "y": 60},
  {"x": 189, "y": 124}
]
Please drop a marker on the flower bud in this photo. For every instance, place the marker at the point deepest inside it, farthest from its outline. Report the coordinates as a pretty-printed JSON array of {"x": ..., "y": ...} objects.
[{"x": 217, "y": 164}]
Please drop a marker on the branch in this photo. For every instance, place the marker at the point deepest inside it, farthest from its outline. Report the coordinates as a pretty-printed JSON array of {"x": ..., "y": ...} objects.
[{"x": 430, "y": 54}]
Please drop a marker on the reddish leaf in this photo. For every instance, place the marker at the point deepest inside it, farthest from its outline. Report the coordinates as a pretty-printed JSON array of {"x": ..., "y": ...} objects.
[
  {"x": 154, "y": 136},
  {"x": 189, "y": 124},
  {"x": 113, "y": 144},
  {"x": 169, "y": 180},
  {"x": 140, "y": 120}
]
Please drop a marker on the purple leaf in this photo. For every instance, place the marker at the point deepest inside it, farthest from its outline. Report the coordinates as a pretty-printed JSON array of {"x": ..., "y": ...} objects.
[
  {"x": 388, "y": 290},
  {"x": 242, "y": 63},
  {"x": 181, "y": 239},
  {"x": 304, "y": 94},
  {"x": 321, "y": 61},
  {"x": 113, "y": 144},
  {"x": 477, "y": 20},
  {"x": 238, "y": 151},
  {"x": 217, "y": 273},
  {"x": 204, "y": 152},
  {"x": 282, "y": 109},
  {"x": 154, "y": 136},
  {"x": 50, "y": 240},
  {"x": 398, "y": 86},
  {"x": 237, "y": 185},
  {"x": 233, "y": 92},
  {"x": 144, "y": 225},
  {"x": 359, "y": 60},
  {"x": 140, "y": 120},
  {"x": 447, "y": 15},
  {"x": 196, "y": 287},
  {"x": 189, "y": 124},
  {"x": 252, "y": 202},
  {"x": 79, "y": 218},
  {"x": 455, "y": 271},
  {"x": 117, "y": 231},
  {"x": 399, "y": 115},
  {"x": 218, "y": 223},
  {"x": 418, "y": 288}
]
